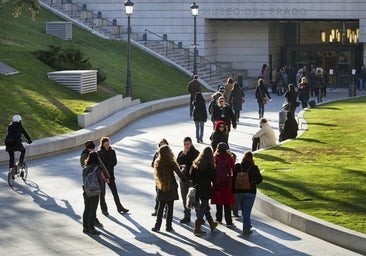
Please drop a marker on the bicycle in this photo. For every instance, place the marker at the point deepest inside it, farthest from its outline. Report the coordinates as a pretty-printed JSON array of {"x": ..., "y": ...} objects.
[{"x": 20, "y": 170}]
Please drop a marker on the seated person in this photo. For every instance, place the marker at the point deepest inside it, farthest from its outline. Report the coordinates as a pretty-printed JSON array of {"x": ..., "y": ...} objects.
[
  {"x": 290, "y": 128},
  {"x": 265, "y": 137}
]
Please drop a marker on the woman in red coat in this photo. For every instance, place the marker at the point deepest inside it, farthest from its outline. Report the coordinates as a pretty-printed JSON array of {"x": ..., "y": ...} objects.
[{"x": 225, "y": 164}]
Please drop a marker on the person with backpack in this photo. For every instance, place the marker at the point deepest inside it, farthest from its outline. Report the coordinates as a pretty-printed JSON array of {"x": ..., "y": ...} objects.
[
  {"x": 203, "y": 174},
  {"x": 108, "y": 155},
  {"x": 13, "y": 141},
  {"x": 93, "y": 180},
  {"x": 223, "y": 197},
  {"x": 246, "y": 197}
]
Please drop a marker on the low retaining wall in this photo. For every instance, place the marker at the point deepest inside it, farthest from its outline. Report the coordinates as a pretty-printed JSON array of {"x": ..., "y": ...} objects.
[
  {"x": 107, "y": 127},
  {"x": 104, "y": 109},
  {"x": 327, "y": 231}
]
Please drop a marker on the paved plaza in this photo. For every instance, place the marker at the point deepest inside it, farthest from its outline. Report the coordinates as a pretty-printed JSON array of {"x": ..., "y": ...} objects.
[{"x": 44, "y": 215}]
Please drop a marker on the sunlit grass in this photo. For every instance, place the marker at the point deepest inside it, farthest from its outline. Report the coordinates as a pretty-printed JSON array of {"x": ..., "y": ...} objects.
[{"x": 323, "y": 172}]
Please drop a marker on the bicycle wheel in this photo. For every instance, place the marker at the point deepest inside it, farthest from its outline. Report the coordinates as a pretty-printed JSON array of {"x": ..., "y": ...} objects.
[
  {"x": 11, "y": 178},
  {"x": 24, "y": 171}
]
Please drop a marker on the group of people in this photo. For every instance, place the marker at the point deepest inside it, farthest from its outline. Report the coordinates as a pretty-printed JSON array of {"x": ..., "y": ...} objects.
[
  {"x": 212, "y": 174},
  {"x": 224, "y": 108}
]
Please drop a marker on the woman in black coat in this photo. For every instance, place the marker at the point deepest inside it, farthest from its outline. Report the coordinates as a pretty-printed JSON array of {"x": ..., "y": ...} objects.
[
  {"x": 290, "y": 103},
  {"x": 236, "y": 100},
  {"x": 203, "y": 175},
  {"x": 199, "y": 116}
]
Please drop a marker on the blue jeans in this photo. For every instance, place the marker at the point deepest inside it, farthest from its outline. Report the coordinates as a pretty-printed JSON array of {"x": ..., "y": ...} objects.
[
  {"x": 204, "y": 210},
  {"x": 246, "y": 201},
  {"x": 199, "y": 129}
]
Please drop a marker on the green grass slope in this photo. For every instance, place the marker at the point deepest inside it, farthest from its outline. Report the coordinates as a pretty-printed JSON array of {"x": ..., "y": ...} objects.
[
  {"x": 323, "y": 172},
  {"x": 50, "y": 109}
]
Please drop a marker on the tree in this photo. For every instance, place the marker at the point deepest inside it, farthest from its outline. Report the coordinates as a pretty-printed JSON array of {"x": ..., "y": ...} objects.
[{"x": 32, "y": 5}]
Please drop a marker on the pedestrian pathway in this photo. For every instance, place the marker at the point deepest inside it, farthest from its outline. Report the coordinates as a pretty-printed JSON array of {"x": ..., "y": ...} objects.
[{"x": 44, "y": 216}]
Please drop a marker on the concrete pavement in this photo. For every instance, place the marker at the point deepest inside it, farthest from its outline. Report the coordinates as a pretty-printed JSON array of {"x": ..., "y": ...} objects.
[{"x": 44, "y": 215}]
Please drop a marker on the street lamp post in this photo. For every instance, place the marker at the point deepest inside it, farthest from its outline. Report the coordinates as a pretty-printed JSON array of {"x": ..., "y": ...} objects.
[
  {"x": 194, "y": 9},
  {"x": 129, "y": 11}
]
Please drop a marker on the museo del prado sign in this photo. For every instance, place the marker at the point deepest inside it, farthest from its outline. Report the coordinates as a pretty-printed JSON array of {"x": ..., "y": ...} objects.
[{"x": 254, "y": 12}]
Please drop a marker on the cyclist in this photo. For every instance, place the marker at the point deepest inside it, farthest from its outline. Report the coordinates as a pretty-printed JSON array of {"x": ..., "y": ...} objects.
[{"x": 13, "y": 141}]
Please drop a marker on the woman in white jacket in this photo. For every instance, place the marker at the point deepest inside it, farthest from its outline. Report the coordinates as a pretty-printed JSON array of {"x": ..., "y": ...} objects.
[{"x": 265, "y": 137}]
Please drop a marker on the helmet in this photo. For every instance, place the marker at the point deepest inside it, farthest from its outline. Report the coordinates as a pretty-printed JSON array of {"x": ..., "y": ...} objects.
[{"x": 17, "y": 118}]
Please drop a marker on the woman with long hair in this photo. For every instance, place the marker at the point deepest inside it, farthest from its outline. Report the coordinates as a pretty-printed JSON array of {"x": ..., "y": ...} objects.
[
  {"x": 203, "y": 176},
  {"x": 167, "y": 188},
  {"x": 260, "y": 94},
  {"x": 246, "y": 197}
]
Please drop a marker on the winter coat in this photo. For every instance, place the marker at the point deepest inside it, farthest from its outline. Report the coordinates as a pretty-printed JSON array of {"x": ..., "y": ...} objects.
[
  {"x": 217, "y": 136},
  {"x": 15, "y": 131},
  {"x": 202, "y": 180},
  {"x": 236, "y": 98},
  {"x": 266, "y": 135},
  {"x": 200, "y": 111},
  {"x": 225, "y": 114},
  {"x": 304, "y": 91},
  {"x": 224, "y": 195},
  {"x": 187, "y": 159},
  {"x": 109, "y": 159},
  {"x": 289, "y": 130},
  {"x": 260, "y": 93},
  {"x": 255, "y": 177},
  {"x": 290, "y": 102}
]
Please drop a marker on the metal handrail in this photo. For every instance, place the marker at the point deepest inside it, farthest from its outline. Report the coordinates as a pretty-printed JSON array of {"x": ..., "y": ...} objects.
[
  {"x": 190, "y": 52},
  {"x": 77, "y": 8}
]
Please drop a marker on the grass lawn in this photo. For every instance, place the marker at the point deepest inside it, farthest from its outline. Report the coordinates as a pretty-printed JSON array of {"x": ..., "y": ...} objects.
[
  {"x": 50, "y": 109},
  {"x": 323, "y": 172}
]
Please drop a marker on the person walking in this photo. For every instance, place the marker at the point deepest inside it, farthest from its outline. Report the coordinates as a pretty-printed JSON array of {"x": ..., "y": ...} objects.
[
  {"x": 13, "y": 141},
  {"x": 194, "y": 86},
  {"x": 228, "y": 88},
  {"x": 212, "y": 104},
  {"x": 319, "y": 85},
  {"x": 290, "y": 102},
  {"x": 199, "y": 116},
  {"x": 223, "y": 112},
  {"x": 304, "y": 92},
  {"x": 108, "y": 155},
  {"x": 185, "y": 159},
  {"x": 167, "y": 188},
  {"x": 223, "y": 197},
  {"x": 161, "y": 143},
  {"x": 236, "y": 100},
  {"x": 203, "y": 175},
  {"x": 246, "y": 197},
  {"x": 260, "y": 94},
  {"x": 91, "y": 202},
  {"x": 264, "y": 137},
  {"x": 220, "y": 134}
]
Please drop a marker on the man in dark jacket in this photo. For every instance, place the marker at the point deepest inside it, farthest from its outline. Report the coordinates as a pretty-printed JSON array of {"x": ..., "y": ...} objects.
[
  {"x": 185, "y": 159},
  {"x": 13, "y": 140}
]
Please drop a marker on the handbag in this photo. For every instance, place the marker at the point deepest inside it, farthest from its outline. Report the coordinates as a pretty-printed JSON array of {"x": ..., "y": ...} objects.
[{"x": 264, "y": 99}]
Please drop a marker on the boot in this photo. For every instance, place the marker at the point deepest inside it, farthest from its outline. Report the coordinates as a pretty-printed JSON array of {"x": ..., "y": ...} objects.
[
  {"x": 212, "y": 223},
  {"x": 197, "y": 229}
]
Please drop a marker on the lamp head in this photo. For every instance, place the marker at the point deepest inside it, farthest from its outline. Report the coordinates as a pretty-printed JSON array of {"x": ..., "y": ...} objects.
[
  {"x": 194, "y": 9},
  {"x": 129, "y": 7}
]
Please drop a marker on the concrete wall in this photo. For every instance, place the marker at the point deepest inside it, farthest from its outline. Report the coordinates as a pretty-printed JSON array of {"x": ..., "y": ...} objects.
[
  {"x": 343, "y": 237},
  {"x": 104, "y": 109},
  {"x": 220, "y": 21}
]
